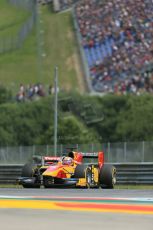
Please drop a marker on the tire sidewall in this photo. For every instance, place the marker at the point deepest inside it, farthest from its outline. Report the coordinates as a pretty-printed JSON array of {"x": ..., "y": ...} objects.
[
  {"x": 107, "y": 176},
  {"x": 28, "y": 170}
]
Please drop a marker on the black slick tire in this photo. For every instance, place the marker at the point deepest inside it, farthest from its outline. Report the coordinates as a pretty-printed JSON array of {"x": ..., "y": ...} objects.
[
  {"x": 28, "y": 171},
  {"x": 80, "y": 171},
  {"x": 107, "y": 177}
]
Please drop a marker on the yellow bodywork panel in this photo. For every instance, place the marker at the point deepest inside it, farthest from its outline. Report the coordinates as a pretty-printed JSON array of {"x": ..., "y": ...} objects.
[
  {"x": 82, "y": 182},
  {"x": 96, "y": 174},
  {"x": 69, "y": 171}
]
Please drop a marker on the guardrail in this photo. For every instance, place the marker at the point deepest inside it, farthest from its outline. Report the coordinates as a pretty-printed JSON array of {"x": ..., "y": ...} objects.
[
  {"x": 9, "y": 173},
  {"x": 127, "y": 173},
  {"x": 134, "y": 174}
]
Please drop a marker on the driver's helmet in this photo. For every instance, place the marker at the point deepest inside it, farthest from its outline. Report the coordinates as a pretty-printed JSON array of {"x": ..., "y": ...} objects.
[{"x": 67, "y": 161}]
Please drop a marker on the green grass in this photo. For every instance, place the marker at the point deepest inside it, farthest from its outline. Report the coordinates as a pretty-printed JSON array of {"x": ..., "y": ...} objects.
[
  {"x": 59, "y": 46},
  {"x": 141, "y": 187},
  {"x": 11, "y": 19},
  {"x": 134, "y": 187}
]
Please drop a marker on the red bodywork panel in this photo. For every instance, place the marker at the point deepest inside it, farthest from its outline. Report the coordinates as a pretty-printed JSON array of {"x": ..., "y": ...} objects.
[
  {"x": 58, "y": 169},
  {"x": 78, "y": 157},
  {"x": 100, "y": 159}
]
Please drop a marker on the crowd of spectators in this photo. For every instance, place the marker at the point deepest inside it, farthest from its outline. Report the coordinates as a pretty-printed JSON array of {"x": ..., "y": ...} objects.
[
  {"x": 127, "y": 26},
  {"x": 33, "y": 92},
  {"x": 65, "y": 4},
  {"x": 44, "y": 2}
]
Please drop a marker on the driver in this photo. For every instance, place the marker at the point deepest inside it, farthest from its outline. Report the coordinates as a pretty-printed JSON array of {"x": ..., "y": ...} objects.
[{"x": 67, "y": 161}]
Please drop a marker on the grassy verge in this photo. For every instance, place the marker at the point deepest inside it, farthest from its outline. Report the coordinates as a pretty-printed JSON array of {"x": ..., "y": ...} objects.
[
  {"x": 57, "y": 46},
  {"x": 141, "y": 187},
  {"x": 11, "y": 19},
  {"x": 134, "y": 187}
]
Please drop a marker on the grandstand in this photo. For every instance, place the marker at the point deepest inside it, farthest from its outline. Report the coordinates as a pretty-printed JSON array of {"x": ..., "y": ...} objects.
[
  {"x": 117, "y": 38},
  {"x": 117, "y": 42},
  {"x": 44, "y": 2},
  {"x": 60, "y": 5}
]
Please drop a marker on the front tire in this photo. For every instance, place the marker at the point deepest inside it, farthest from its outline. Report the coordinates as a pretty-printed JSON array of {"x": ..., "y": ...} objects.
[
  {"x": 29, "y": 170},
  {"x": 80, "y": 171}
]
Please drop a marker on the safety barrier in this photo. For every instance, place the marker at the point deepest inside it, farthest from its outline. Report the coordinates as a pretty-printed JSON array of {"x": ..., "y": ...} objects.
[
  {"x": 135, "y": 174},
  {"x": 9, "y": 173},
  {"x": 127, "y": 174}
]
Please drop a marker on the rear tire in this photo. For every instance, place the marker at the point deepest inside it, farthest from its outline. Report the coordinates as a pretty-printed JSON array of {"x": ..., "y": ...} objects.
[{"x": 107, "y": 176}]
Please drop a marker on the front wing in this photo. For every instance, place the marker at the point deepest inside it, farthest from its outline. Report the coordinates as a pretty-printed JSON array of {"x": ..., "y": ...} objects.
[{"x": 52, "y": 182}]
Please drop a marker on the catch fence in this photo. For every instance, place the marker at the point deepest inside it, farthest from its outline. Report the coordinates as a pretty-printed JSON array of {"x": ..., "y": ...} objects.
[{"x": 138, "y": 152}]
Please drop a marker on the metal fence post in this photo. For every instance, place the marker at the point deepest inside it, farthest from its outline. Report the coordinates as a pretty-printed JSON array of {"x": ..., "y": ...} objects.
[
  {"x": 55, "y": 109},
  {"x": 143, "y": 150},
  {"x": 47, "y": 152},
  {"x": 92, "y": 147},
  {"x": 108, "y": 151},
  {"x": 20, "y": 153},
  {"x": 61, "y": 148},
  {"x": 33, "y": 150},
  {"x": 125, "y": 151}
]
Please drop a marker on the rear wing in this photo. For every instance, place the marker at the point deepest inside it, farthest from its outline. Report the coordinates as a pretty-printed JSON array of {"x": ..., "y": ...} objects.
[
  {"x": 51, "y": 158},
  {"x": 43, "y": 160},
  {"x": 95, "y": 155},
  {"x": 90, "y": 155}
]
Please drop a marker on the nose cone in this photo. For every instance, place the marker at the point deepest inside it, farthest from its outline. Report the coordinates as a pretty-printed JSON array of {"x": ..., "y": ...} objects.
[{"x": 52, "y": 171}]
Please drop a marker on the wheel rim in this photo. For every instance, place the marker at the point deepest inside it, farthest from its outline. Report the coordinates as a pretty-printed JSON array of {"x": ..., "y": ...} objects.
[
  {"x": 88, "y": 178},
  {"x": 114, "y": 177}
]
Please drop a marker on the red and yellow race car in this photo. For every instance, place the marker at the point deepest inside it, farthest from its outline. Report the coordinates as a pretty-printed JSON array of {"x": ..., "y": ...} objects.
[{"x": 69, "y": 170}]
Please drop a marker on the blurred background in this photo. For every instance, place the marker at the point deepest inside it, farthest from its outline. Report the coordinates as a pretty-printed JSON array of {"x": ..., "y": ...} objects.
[{"x": 104, "y": 53}]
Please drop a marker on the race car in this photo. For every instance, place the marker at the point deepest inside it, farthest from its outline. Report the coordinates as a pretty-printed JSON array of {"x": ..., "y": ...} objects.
[{"x": 69, "y": 170}]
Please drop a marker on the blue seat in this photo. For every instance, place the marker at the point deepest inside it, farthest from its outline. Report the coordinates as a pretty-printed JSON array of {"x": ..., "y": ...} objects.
[
  {"x": 93, "y": 53},
  {"x": 88, "y": 56},
  {"x": 90, "y": 61},
  {"x": 104, "y": 50},
  {"x": 108, "y": 47},
  {"x": 122, "y": 37},
  {"x": 99, "y": 54},
  {"x": 111, "y": 42}
]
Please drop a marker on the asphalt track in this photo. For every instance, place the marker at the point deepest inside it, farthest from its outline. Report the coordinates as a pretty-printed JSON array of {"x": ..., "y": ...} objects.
[
  {"x": 118, "y": 193},
  {"x": 31, "y": 209}
]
